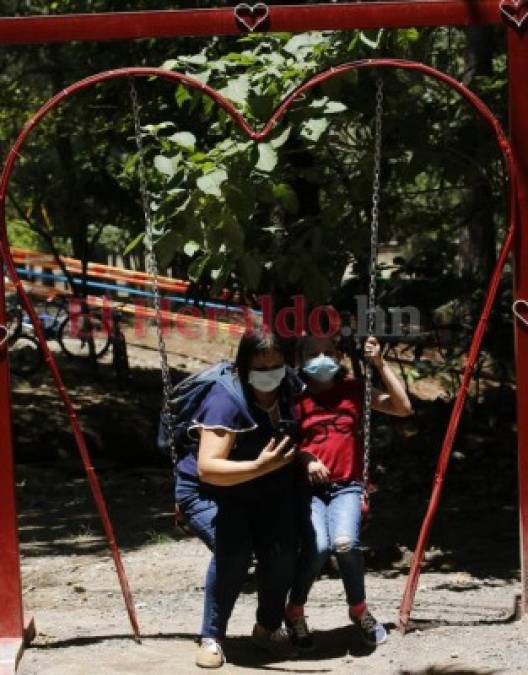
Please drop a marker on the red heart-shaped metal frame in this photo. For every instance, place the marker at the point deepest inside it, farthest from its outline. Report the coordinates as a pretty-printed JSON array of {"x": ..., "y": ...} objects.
[
  {"x": 239, "y": 120},
  {"x": 515, "y": 12},
  {"x": 252, "y": 16},
  {"x": 516, "y": 309}
]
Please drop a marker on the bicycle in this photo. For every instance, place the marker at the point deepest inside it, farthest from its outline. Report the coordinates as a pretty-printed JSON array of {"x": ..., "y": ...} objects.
[
  {"x": 81, "y": 332},
  {"x": 24, "y": 353},
  {"x": 73, "y": 324}
]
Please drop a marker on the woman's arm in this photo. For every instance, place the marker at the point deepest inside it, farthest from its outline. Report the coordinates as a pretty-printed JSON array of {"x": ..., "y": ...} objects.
[
  {"x": 215, "y": 468},
  {"x": 394, "y": 400}
]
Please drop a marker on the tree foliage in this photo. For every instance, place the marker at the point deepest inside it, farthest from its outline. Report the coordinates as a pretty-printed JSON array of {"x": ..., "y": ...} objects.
[{"x": 290, "y": 214}]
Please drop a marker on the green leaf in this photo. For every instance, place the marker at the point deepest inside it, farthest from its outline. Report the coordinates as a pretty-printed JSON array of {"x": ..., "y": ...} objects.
[
  {"x": 220, "y": 276},
  {"x": 170, "y": 64},
  {"x": 135, "y": 242},
  {"x": 182, "y": 95},
  {"x": 267, "y": 158},
  {"x": 240, "y": 196},
  {"x": 261, "y": 106},
  {"x": 167, "y": 246},
  {"x": 167, "y": 165},
  {"x": 198, "y": 157},
  {"x": 191, "y": 247},
  {"x": 154, "y": 128},
  {"x": 233, "y": 234},
  {"x": 287, "y": 197},
  {"x": 302, "y": 42},
  {"x": 210, "y": 183},
  {"x": 195, "y": 59},
  {"x": 313, "y": 129},
  {"x": 335, "y": 107},
  {"x": 408, "y": 35},
  {"x": 202, "y": 77},
  {"x": 197, "y": 267},
  {"x": 130, "y": 164},
  {"x": 184, "y": 139},
  {"x": 353, "y": 42},
  {"x": 280, "y": 140},
  {"x": 237, "y": 89},
  {"x": 208, "y": 105},
  {"x": 319, "y": 102}
]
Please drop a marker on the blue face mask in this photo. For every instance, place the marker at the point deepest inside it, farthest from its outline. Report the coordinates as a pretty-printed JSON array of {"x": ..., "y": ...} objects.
[{"x": 321, "y": 368}]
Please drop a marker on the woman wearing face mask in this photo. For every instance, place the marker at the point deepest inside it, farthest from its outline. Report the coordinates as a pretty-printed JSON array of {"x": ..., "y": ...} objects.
[
  {"x": 247, "y": 483},
  {"x": 330, "y": 416}
]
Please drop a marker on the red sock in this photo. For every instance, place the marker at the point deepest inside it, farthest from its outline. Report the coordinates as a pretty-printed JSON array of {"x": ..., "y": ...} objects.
[
  {"x": 294, "y": 611},
  {"x": 357, "y": 610}
]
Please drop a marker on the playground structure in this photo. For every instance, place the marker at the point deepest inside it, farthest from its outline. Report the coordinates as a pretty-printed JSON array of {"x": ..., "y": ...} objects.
[{"x": 514, "y": 13}]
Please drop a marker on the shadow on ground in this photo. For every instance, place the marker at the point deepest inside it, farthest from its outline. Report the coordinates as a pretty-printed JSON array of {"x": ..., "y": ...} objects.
[{"x": 475, "y": 529}]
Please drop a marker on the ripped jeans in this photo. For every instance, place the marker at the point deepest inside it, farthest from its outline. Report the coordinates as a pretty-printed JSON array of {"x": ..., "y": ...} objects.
[{"x": 331, "y": 523}]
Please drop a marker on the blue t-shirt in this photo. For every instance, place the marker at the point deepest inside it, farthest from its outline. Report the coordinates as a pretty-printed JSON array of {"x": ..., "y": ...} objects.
[{"x": 253, "y": 428}]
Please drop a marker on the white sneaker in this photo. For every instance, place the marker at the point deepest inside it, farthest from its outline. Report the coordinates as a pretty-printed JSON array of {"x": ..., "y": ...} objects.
[
  {"x": 275, "y": 642},
  {"x": 210, "y": 654}
]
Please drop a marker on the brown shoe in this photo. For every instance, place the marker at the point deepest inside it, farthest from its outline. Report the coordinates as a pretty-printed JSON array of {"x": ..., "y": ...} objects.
[
  {"x": 210, "y": 654},
  {"x": 275, "y": 642}
]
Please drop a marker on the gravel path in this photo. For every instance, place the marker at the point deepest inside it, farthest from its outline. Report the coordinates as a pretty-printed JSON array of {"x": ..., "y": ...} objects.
[{"x": 83, "y": 629}]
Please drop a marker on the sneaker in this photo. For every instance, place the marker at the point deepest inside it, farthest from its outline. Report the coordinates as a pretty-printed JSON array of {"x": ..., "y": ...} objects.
[
  {"x": 210, "y": 654},
  {"x": 275, "y": 642},
  {"x": 372, "y": 632},
  {"x": 300, "y": 634}
]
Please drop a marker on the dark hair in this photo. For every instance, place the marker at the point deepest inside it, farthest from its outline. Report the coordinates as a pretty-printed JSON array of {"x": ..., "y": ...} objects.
[{"x": 255, "y": 341}]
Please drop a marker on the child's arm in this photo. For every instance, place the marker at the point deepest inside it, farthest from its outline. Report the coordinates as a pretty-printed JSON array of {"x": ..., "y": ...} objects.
[
  {"x": 394, "y": 400},
  {"x": 314, "y": 469}
]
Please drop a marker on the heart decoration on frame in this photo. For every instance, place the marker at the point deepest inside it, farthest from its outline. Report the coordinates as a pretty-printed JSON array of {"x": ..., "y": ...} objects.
[
  {"x": 515, "y": 12},
  {"x": 523, "y": 317},
  {"x": 251, "y": 17}
]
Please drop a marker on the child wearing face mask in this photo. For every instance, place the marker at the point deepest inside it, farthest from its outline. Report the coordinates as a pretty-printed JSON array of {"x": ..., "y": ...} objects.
[{"x": 330, "y": 412}]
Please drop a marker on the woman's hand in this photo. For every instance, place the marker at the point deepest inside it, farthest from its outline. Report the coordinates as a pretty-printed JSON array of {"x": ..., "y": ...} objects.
[
  {"x": 215, "y": 467},
  {"x": 373, "y": 351},
  {"x": 274, "y": 455},
  {"x": 317, "y": 472}
]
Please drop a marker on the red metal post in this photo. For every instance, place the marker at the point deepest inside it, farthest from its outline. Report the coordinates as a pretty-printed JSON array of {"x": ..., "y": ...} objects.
[
  {"x": 518, "y": 68},
  {"x": 298, "y": 18},
  {"x": 11, "y": 615}
]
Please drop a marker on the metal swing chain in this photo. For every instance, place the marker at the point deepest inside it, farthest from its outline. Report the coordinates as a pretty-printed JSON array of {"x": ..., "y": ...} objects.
[
  {"x": 373, "y": 268},
  {"x": 152, "y": 264}
]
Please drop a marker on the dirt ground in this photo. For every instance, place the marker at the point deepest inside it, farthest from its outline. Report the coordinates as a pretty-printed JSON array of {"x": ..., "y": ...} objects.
[{"x": 464, "y": 612}]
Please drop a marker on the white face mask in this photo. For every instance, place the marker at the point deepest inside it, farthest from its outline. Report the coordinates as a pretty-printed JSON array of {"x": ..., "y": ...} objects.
[{"x": 266, "y": 380}]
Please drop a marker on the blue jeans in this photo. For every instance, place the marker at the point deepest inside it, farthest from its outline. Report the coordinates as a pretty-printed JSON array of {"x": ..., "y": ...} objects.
[
  {"x": 265, "y": 527},
  {"x": 331, "y": 522},
  {"x": 235, "y": 529},
  {"x": 200, "y": 512}
]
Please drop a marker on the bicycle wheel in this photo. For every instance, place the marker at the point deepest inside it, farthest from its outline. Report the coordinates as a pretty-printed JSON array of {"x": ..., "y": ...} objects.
[
  {"x": 25, "y": 355},
  {"x": 13, "y": 323},
  {"x": 77, "y": 331}
]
